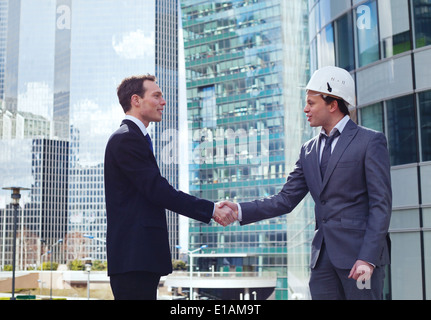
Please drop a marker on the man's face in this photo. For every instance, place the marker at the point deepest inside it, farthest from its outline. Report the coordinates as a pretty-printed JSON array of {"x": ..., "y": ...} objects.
[
  {"x": 150, "y": 107},
  {"x": 316, "y": 109}
]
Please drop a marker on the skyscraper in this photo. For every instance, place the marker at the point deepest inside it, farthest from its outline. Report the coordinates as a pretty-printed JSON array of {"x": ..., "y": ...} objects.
[
  {"x": 63, "y": 60},
  {"x": 246, "y": 67},
  {"x": 166, "y": 63}
]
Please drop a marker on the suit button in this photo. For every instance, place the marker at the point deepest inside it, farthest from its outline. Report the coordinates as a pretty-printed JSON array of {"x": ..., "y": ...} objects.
[
  {"x": 324, "y": 220},
  {"x": 323, "y": 202}
]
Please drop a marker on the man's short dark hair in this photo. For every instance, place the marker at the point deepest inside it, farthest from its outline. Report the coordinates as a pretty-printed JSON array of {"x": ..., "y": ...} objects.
[
  {"x": 131, "y": 86},
  {"x": 341, "y": 104}
]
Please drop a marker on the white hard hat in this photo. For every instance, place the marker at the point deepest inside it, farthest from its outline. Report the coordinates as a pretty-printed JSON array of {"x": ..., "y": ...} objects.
[{"x": 334, "y": 82}]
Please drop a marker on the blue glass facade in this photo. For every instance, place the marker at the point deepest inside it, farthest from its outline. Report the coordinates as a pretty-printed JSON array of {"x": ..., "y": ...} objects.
[{"x": 245, "y": 64}]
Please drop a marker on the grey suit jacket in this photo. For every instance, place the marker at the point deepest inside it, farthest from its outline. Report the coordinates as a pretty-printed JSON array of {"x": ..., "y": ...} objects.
[{"x": 353, "y": 201}]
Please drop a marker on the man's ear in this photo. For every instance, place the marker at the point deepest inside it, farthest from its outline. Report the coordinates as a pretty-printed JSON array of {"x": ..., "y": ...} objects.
[
  {"x": 134, "y": 100},
  {"x": 334, "y": 106}
]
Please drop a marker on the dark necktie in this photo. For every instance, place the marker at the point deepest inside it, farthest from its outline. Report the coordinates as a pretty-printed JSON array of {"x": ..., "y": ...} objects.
[
  {"x": 147, "y": 136},
  {"x": 327, "y": 152}
]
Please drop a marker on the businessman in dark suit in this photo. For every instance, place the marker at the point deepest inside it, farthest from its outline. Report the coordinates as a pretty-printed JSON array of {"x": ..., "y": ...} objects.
[
  {"x": 137, "y": 195},
  {"x": 346, "y": 169}
]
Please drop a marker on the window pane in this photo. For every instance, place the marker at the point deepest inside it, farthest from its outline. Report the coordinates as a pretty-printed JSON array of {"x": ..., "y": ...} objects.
[
  {"x": 327, "y": 48},
  {"x": 406, "y": 267},
  {"x": 402, "y": 130},
  {"x": 313, "y": 56},
  {"x": 394, "y": 26},
  {"x": 425, "y": 176},
  {"x": 426, "y": 213},
  {"x": 425, "y": 124},
  {"x": 372, "y": 117},
  {"x": 427, "y": 258},
  {"x": 367, "y": 33},
  {"x": 404, "y": 219},
  {"x": 422, "y": 21},
  {"x": 345, "y": 55}
]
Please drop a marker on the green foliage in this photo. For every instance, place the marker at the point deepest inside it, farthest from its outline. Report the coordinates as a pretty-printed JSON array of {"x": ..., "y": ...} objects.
[
  {"x": 79, "y": 265},
  {"x": 179, "y": 265},
  {"x": 47, "y": 266},
  {"x": 76, "y": 265},
  {"x": 99, "y": 265},
  {"x": 7, "y": 267}
]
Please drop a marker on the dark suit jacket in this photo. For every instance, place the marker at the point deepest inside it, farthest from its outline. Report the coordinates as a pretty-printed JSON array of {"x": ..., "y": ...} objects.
[
  {"x": 353, "y": 202},
  {"x": 136, "y": 198}
]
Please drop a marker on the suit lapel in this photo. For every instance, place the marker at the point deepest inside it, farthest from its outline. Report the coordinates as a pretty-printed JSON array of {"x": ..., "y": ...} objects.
[
  {"x": 345, "y": 139},
  {"x": 138, "y": 131}
]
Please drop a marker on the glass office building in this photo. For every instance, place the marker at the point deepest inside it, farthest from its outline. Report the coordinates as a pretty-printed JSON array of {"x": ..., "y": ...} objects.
[
  {"x": 246, "y": 67},
  {"x": 60, "y": 64},
  {"x": 386, "y": 45}
]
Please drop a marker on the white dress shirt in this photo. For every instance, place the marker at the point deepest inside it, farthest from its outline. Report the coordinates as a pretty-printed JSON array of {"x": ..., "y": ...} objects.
[
  {"x": 138, "y": 122},
  {"x": 340, "y": 127}
]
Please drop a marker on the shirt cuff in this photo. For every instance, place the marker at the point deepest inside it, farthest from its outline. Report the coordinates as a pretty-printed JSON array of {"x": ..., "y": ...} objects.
[{"x": 239, "y": 212}]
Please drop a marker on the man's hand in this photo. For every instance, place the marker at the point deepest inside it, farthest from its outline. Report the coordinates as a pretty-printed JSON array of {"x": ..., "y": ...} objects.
[
  {"x": 229, "y": 204},
  {"x": 224, "y": 215},
  {"x": 361, "y": 269}
]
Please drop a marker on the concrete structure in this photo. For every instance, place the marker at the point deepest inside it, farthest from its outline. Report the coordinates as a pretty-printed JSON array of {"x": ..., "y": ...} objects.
[{"x": 245, "y": 283}]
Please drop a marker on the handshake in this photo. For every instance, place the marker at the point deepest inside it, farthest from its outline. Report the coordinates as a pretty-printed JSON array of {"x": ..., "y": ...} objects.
[{"x": 225, "y": 213}]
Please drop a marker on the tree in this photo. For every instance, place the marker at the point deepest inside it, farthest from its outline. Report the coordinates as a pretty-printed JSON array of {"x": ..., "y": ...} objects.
[
  {"x": 76, "y": 265},
  {"x": 179, "y": 265},
  {"x": 47, "y": 266}
]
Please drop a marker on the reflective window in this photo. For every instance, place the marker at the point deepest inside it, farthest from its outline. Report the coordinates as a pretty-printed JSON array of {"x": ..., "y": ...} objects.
[
  {"x": 422, "y": 22},
  {"x": 427, "y": 258},
  {"x": 313, "y": 56},
  {"x": 208, "y": 111},
  {"x": 390, "y": 78},
  {"x": 422, "y": 75},
  {"x": 344, "y": 46},
  {"x": 406, "y": 267},
  {"x": 425, "y": 124},
  {"x": 314, "y": 20},
  {"x": 325, "y": 11},
  {"x": 331, "y": 9},
  {"x": 372, "y": 117},
  {"x": 394, "y": 26},
  {"x": 367, "y": 33},
  {"x": 425, "y": 178},
  {"x": 326, "y": 47},
  {"x": 402, "y": 130}
]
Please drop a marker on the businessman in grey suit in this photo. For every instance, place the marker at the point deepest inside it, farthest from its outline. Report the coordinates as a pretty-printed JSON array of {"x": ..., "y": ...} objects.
[{"x": 346, "y": 169}]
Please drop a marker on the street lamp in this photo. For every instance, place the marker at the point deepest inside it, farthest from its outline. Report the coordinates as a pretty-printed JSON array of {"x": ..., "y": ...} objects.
[
  {"x": 92, "y": 237},
  {"x": 16, "y": 195},
  {"x": 190, "y": 253},
  {"x": 88, "y": 264},
  {"x": 51, "y": 251}
]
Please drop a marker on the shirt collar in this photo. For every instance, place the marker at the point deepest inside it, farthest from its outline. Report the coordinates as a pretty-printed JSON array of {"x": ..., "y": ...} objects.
[
  {"x": 339, "y": 126},
  {"x": 138, "y": 123}
]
